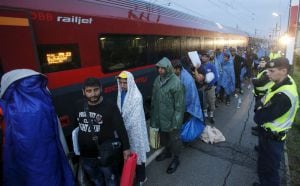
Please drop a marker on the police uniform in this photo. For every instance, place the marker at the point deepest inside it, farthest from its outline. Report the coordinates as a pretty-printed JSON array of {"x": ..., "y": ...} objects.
[
  {"x": 275, "y": 114},
  {"x": 261, "y": 85}
]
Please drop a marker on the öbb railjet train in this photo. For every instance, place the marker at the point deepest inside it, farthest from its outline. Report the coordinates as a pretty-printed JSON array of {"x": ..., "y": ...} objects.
[{"x": 70, "y": 40}]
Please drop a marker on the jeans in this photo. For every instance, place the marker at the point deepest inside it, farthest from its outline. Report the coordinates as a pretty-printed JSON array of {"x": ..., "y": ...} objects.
[
  {"x": 99, "y": 175},
  {"x": 268, "y": 163}
]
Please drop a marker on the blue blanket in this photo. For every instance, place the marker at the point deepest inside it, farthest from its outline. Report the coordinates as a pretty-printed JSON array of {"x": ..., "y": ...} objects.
[{"x": 33, "y": 154}]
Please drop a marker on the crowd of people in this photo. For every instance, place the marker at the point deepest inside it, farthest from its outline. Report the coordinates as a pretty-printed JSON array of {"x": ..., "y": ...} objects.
[{"x": 181, "y": 91}]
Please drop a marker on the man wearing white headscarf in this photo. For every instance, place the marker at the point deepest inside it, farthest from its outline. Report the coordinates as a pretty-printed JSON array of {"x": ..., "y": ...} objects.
[{"x": 130, "y": 103}]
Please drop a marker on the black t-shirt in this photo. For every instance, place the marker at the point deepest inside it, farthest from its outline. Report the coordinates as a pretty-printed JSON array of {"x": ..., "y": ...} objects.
[{"x": 106, "y": 123}]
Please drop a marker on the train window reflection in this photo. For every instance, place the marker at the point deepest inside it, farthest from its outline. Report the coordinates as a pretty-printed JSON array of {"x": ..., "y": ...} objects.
[
  {"x": 120, "y": 52},
  {"x": 55, "y": 58},
  {"x": 123, "y": 51}
]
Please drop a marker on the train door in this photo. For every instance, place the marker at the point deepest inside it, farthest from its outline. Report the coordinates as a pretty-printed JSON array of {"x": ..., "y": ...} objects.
[{"x": 17, "y": 44}]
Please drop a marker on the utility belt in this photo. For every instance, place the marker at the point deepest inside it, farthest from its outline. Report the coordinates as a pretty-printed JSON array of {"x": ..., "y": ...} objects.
[{"x": 267, "y": 133}]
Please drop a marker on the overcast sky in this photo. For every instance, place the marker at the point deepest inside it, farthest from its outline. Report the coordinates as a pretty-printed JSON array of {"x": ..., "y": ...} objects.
[{"x": 252, "y": 16}]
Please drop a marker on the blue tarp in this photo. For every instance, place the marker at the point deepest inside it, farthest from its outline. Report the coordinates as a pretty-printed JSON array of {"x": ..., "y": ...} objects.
[
  {"x": 192, "y": 101},
  {"x": 227, "y": 78},
  {"x": 194, "y": 126},
  {"x": 33, "y": 154}
]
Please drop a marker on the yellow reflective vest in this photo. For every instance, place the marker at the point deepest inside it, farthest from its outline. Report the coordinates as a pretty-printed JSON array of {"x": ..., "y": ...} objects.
[
  {"x": 284, "y": 122},
  {"x": 261, "y": 91},
  {"x": 274, "y": 55}
]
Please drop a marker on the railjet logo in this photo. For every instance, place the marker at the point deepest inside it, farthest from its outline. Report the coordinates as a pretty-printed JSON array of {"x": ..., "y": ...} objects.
[{"x": 74, "y": 19}]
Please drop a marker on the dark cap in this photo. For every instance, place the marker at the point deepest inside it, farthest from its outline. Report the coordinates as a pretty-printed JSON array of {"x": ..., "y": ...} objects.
[
  {"x": 281, "y": 62},
  {"x": 204, "y": 53}
]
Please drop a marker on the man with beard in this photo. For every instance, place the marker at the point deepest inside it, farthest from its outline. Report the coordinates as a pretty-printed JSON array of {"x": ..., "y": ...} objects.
[
  {"x": 167, "y": 110},
  {"x": 99, "y": 121}
]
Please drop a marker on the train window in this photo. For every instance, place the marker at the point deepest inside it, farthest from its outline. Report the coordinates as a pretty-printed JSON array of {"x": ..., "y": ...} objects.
[
  {"x": 208, "y": 42},
  {"x": 167, "y": 46},
  {"x": 120, "y": 52},
  {"x": 54, "y": 58},
  {"x": 193, "y": 43}
]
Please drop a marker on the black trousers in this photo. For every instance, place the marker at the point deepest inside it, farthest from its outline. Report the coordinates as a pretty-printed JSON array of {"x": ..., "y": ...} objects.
[
  {"x": 140, "y": 172},
  {"x": 171, "y": 141},
  {"x": 269, "y": 157}
]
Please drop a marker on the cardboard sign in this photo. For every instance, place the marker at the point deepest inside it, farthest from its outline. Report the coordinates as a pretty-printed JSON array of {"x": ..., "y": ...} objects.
[{"x": 195, "y": 58}]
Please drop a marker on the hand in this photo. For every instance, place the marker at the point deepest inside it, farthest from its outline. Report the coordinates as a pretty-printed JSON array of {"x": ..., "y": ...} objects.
[
  {"x": 199, "y": 78},
  {"x": 126, "y": 154}
]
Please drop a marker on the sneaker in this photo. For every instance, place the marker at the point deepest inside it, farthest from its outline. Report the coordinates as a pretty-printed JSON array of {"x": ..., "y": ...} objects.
[{"x": 241, "y": 92}]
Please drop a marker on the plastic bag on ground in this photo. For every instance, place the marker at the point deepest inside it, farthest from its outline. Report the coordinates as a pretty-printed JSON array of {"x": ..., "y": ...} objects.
[{"x": 212, "y": 135}]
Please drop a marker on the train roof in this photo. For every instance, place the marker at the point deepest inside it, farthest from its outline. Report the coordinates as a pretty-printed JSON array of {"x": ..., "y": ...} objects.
[{"x": 123, "y": 9}]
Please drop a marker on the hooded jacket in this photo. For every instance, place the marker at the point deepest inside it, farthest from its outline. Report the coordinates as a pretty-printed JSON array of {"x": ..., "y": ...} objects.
[
  {"x": 168, "y": 104},
  {"x": 33, "y": 153}
]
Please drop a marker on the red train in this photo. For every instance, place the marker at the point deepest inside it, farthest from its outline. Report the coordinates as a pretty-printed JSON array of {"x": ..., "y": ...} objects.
[{"x": 70, "y": 40}]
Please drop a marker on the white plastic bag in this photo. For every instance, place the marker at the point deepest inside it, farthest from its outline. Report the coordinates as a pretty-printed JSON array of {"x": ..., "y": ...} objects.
[
  {"x": 75, "y": 141},
  {"x": 212, "y": 135},
  {"x": 154, "y": 138}
]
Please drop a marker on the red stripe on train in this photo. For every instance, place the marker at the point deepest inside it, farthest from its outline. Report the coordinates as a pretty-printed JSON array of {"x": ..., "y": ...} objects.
[{"x": 74, "y": 76}]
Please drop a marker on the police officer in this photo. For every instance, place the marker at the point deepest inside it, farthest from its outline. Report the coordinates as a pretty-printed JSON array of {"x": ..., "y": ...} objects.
[
  {"x": 275, "y": 114},
  {"x": 261, "y": 85}
]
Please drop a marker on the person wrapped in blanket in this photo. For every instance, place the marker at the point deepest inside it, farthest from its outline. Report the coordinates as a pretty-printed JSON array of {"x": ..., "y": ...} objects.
[
  {"x": 33, "y": 153},
  {"x": 130, "y": 104}
]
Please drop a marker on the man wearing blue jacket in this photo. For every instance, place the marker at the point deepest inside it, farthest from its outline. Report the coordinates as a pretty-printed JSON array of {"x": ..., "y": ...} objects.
[{"x": 211, "y": 77}]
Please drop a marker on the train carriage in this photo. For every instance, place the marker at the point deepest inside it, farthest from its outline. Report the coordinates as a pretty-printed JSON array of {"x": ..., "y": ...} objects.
[{"x": 70, "y": 40}]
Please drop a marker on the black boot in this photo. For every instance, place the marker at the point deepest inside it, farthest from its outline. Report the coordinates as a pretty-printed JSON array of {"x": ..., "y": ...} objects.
[
  {"x": 173, "y": 165},
  {"x": 254, "y": 132}
]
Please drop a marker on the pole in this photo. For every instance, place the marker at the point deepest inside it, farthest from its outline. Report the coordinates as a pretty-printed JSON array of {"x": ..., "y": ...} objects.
[
  {"x": 279, "y": 25},
  {"x": 276, "y": 31}
]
